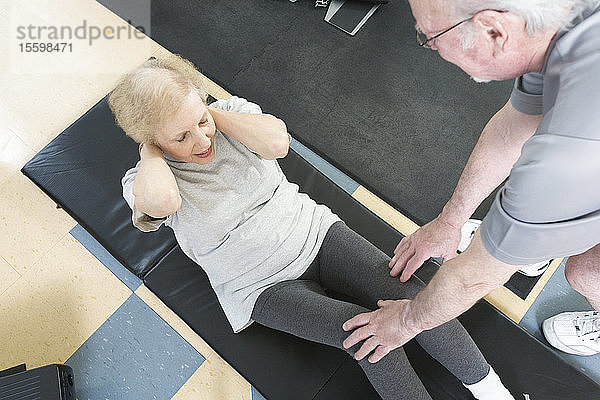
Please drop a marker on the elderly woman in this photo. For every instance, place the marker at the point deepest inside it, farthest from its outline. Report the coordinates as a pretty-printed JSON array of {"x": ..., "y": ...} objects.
[{"x": 210, "y": 173}]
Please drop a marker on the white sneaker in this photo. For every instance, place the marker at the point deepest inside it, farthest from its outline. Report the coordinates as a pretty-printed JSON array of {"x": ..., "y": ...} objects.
[
  {"x": 574, "y": 332},
  {"x": 535, "y": 269},
  {"x": 466, "y": 235}
]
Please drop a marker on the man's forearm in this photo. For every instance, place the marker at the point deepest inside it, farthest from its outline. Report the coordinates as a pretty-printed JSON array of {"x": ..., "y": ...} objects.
[
  {"x": 458, "y": 284},
  {"x": 264, "y": 134},
  {"x": 494, "y": 155}
]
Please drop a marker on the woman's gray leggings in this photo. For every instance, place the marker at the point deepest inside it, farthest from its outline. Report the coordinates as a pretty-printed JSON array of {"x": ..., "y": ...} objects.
[{"x": 348, "y": 264}]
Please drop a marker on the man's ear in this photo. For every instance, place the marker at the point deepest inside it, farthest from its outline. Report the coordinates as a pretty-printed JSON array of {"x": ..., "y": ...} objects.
[{"x": 493, "y": 25}]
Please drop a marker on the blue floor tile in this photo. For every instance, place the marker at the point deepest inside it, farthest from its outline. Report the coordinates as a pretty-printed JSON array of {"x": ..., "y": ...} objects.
[
  {"x": 134, "y": 355},
  {"x": 256, "y": 395},
  {"x": 338, "y": 177},
  {"x": 556, "y": 297},
  {"x": 94, "y": 247}
]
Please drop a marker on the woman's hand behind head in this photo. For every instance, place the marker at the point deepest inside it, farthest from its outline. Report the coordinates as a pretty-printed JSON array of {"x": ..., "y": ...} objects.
[{"x": 150, "y": 149}]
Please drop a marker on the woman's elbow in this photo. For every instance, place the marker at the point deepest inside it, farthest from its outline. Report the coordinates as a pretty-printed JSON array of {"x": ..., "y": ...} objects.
[
  {"x": 281, "y": 144},
  {"x": 171, "y": 203},
  {"x": 277, "y": 149},
  {"x": 164, "y": 205}
]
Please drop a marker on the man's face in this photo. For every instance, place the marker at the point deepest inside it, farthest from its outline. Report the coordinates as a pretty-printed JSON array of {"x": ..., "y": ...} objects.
[{"x": 481, "y": 59}]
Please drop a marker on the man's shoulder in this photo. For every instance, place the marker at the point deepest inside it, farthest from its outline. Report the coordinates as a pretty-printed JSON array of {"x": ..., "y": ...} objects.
[{"x": 580, "y": 40}]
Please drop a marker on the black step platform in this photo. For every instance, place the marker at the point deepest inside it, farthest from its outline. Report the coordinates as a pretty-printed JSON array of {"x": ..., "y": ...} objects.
[{"x": 81, "y": 170}]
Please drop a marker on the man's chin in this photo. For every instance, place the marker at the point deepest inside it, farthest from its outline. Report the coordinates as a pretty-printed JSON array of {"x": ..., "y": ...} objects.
[{"x": 480, "y": 80}]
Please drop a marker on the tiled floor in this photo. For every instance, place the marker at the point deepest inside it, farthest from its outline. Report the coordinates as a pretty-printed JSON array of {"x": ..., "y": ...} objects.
[
  {"x": 59, "y": 303},
  {"x": 557, "y": 297}
]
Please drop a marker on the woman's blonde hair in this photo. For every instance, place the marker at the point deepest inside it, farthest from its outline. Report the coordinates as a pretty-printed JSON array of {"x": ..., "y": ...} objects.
[{"x": 145, "y": 98}]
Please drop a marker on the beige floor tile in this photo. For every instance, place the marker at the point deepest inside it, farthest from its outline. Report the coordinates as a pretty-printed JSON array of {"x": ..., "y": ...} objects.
[
  {"x": 38, "y": 107},
  {"x": 8, "y": 275},
  {"x": 42, "y": 22},
  {"x": 45, "y": 92},
  {"x": 77, "y": 285},
  {"x": 16, "y": 17},
  {"x": 81, "y": 9},
  {"x": 35, "y": 21},
  {"x": 105, "y": 60},
  {"x": 215, "y": 380},
  {"x": 19, "y": 67},
  {"x": 13, "y": 153},
  {"x": 32, "y": 331},
  {"x": 159, "y": 50},
  {"x": 19, "y": 26},
  {"x": 41, "y": 96},
  {"x": 107, "y": 81},
  {"x": 74, "y": 10},
  {"x": 29, "y": 221},
  {"x": 46, "y": 9}
]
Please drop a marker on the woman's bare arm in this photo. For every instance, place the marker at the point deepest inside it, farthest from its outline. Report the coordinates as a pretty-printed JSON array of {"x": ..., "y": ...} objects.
[
  {"x": 264, "y": 134},
  {"x": 154, "y": 188}
]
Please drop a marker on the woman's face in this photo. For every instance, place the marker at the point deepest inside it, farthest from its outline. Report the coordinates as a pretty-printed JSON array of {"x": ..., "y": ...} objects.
[{"x": 189, "y": 135}]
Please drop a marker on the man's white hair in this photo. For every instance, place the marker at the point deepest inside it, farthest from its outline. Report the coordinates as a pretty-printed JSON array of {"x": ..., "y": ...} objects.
[{"x": 539, "y": 15}]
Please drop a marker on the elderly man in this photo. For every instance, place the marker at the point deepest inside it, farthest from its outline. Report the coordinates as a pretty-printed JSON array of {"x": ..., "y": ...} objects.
[{"x": 546, "y": 140}]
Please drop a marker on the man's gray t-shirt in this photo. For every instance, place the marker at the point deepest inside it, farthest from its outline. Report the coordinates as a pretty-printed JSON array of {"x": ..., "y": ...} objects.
[
  {"x": 550, "y": 204},
  {"x": 240, "y": 220}
]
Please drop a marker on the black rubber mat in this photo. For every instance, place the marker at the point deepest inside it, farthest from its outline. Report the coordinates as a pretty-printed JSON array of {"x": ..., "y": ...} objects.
[
  {"x": 522, "y": 285},
  {"x": 395, "y": 117}
]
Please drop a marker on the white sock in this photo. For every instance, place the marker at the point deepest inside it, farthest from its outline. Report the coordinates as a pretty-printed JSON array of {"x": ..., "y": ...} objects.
[{"x": 490, "y": 388}]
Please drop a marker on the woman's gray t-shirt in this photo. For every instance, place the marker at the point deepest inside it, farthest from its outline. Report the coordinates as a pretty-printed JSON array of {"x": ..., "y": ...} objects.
[{"x": 240, "y": 220}]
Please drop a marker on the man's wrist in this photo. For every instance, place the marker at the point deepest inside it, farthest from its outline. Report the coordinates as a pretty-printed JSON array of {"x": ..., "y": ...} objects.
[
  {"x": 449, "y": 216},
  {"x": 409, "y": 321}
]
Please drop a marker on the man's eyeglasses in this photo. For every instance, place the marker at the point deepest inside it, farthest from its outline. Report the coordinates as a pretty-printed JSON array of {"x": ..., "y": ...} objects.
[{"x": 423, "y": 41}]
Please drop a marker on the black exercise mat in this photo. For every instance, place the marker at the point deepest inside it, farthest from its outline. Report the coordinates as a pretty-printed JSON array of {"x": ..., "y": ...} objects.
[
  {"x": 81, "y": 170},
  {"x": 279, "y": 365},
  {"x": 523, "y": 362},
  {"x": 395, "y": 117},
  {"x": 348, "y": 380},
  {"x": 259, "y": 354}
]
